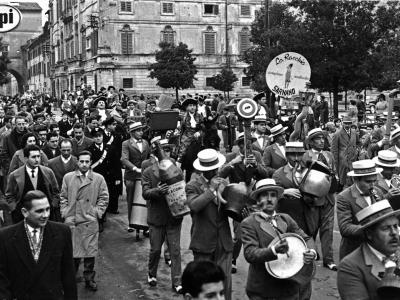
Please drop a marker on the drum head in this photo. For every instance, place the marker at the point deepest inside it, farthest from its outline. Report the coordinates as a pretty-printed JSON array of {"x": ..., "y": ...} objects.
[{"x": 288, "y": 266}]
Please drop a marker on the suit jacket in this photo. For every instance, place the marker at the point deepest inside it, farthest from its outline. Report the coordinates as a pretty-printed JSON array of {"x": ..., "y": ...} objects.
[
  {"x": 16, "y": 183},
  {"x": 51, "y": 278},
  {"x": 236, "y": 173},
  {"x": 158, "y": 212},
  {"x": 131, "y": 156},
  {"x": 209, "y": 223},
  {"x": 64, "y": 126},
  {"x": 349, "y": 203},
  {"x": 359, "y": 274},
  {"x": 60, "y": 169},
  {"x": 49, "y": 153},
  {"x": 257, "y": 234},
  {"x": 261, "y": 148},
  {"x": 273, "y": 159},
  {"x": 79, "y": 147},
  {"x": 109, "y": 168},
  {"x": 18, "y": 160},
  {"x": 340, "y": 143},
  {"x": 381, "y": 189}
]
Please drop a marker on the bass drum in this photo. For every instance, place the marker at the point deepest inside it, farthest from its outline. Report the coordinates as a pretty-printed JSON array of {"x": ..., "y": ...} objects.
[
  {"x": 291, "y": 266},
  {"x": 138, "y": 217}
]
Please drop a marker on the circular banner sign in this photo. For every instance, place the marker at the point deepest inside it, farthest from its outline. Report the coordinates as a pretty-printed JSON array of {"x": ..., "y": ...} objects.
[
  {"x": 10, "y": 17},
  {"x": 247, "y": 108},
  {"x": 287, "y": 74}
]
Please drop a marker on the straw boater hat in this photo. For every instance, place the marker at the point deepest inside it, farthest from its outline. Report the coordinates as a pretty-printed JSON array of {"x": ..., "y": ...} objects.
[
  {"x": 347, "y": 119},
  {"x": 267, "y": 184},
  {"x": 375, "y": 213},
  {"x": 132, "y": 101},
  {"x": 240, "y": 138},
  {"x": 364, "y": 167},
  {"x": 276, "y": 130},
  {"x": 294, "y": 147},
  {"x": 260, "y": 119},
  {"x": 135, "y": 126},
  {"x": 387, "y": 158},
  {"x": 395, "y": 134},
  {"x": 162, "y": 142},
  {"x": 208, "y": 159},
  {"x": 314, "y": 133}
]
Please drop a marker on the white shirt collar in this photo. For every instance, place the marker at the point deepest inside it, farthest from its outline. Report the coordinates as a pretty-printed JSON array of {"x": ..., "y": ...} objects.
[
  {"x": 65, "y": 161},
  {"x": 315, "y": 151},
  {"x": 84, "y": 175},
  {"x": 29, "y": 170},
  {"x": 31, "y": 229},
  {"x": 378, "y": 254}
]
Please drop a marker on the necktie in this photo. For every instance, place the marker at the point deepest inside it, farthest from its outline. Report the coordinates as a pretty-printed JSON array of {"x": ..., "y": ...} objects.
[
  {"x": 392, "y": 258},
  {"x": 34, "y": 237},
  {"x": 322, "y": 159},
  {"x": 33, "y": 173}
]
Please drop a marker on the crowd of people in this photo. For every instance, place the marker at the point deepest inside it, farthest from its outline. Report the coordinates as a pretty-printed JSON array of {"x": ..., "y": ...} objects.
[{"x": 59, "y": 179}]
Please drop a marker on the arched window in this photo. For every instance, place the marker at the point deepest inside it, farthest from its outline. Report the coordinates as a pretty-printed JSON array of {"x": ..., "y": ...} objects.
[
  {"x": 168, "y": 35},
  {"x": 126, "y": 40},
  {"x": 244, "y": 40}
]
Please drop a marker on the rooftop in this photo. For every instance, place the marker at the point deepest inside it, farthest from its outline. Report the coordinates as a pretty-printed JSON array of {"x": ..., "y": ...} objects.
[{"x": 24, "y": 6}]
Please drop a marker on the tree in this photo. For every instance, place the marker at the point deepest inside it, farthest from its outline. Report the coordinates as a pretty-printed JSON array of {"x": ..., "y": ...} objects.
[
  {"x": 338, "y": 38},
  {"x": 224, "y": 81},
  {"x": 174, "y": 67}
]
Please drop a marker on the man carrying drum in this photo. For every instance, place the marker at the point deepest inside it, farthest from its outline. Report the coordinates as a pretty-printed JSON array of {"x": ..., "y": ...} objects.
[{"x": 258, "y": 232}]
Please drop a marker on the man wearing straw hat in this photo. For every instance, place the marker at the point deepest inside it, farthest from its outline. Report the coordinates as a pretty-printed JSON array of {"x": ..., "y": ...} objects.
[
  {"x": 258, "y": 231},
  {"x": 360, "y": 273},
  {"x": 262, "y": 140},
  {"x": 352, "y": 200},
  {"x": 134, "y": 152},
  {"x": 211, "y": 237},
  {"x": 324, "y": 205},
  {"x": 343, "y": 149},
  {"x": 275, "y": 155},
  {"x": 163, "y": 226},
  {"x": 383, "y": 187}
]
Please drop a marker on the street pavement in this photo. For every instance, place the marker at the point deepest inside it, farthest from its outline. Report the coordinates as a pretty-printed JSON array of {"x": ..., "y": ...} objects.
[{"x": 121, "y": 267}]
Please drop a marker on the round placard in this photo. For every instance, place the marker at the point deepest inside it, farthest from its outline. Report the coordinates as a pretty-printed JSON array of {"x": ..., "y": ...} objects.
[
  {"x": 287, "y": 74},
  {"x": 247, "y": 108}
]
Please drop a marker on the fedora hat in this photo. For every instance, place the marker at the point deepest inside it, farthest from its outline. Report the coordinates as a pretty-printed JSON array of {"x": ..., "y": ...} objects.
[
  {"x": 260, "y": 119},
  {"x": 294, "y": 147},
  {"x": 364, "y": 167},
  {"x": 395, "y": 134},
  {"x": 98, "y": 99},
  {"x": 208, "y": 159},
  {"x": 347, "y": 119},
  {"x": 375, "y": 213},
  {"x": 240, "y": 138},
  {"x": 276, "y": 130},
  {"x": 314, "y": 133},
  {"x": 188, "y": 101},
  {"x": 135, "y": 126},
  {"x": 267, "y": 184},
  {"x": 387, "y": 158}
]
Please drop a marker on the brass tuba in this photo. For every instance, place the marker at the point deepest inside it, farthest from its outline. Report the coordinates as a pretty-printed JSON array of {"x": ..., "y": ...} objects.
[{"x": 315, "y": 180}]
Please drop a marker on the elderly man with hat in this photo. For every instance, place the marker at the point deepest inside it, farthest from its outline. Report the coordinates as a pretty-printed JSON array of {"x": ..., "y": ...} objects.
[
  {"x": 163, "y": 226},
  {"x": 293, "y": 202},
  {"x": 361, "y": 272},
  {"x": 134, "y": 152},
  {"x": 211, "y": 237},
  {"x": 275, "y": 155},
  {"x": 324, "y": 205},
  {"x": 344, "y": 150},
  {"x": 239, "y": 169},
  {"x": 192, "y": 126},
  {"x": 259, "y": 230},
  {"x": 262, "y": 140},
  {"x": 384, "y": 187},
  {"x": 353, "y": 199}
]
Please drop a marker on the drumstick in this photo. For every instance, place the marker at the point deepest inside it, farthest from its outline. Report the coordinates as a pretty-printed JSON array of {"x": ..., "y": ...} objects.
[{"x": 279, "y": 236}]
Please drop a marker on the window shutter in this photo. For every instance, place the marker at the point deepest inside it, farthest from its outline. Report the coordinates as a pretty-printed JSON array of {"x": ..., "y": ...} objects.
[
  {"x": 94, "y": 42},
  {"x": 126, "y": 6},
  {"x": 127, "y": 42},
  {"x": 123, "y": 6},
  {"x": 83, "y": 45},
  {"x": 127, "y": 83},
  {"x": 244, "y": 41},
  {"x": 215, "y": 9},
  {"x": 245, "y": 10},
  {"x": 129, "y": 6},
  {"x": 167, "y": 8},
  {"x": 209, "y": 43}
]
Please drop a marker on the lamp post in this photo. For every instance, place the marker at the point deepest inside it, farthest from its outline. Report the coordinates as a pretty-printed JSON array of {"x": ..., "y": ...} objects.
[{"x": 227, "y": 57}]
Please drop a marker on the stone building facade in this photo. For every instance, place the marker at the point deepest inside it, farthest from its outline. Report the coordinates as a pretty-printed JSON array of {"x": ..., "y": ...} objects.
[{"x": 112, "y": 42}]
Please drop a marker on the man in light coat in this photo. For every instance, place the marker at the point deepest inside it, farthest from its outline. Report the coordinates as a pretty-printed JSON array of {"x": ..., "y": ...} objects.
[{"x": 84, "y": 199}]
